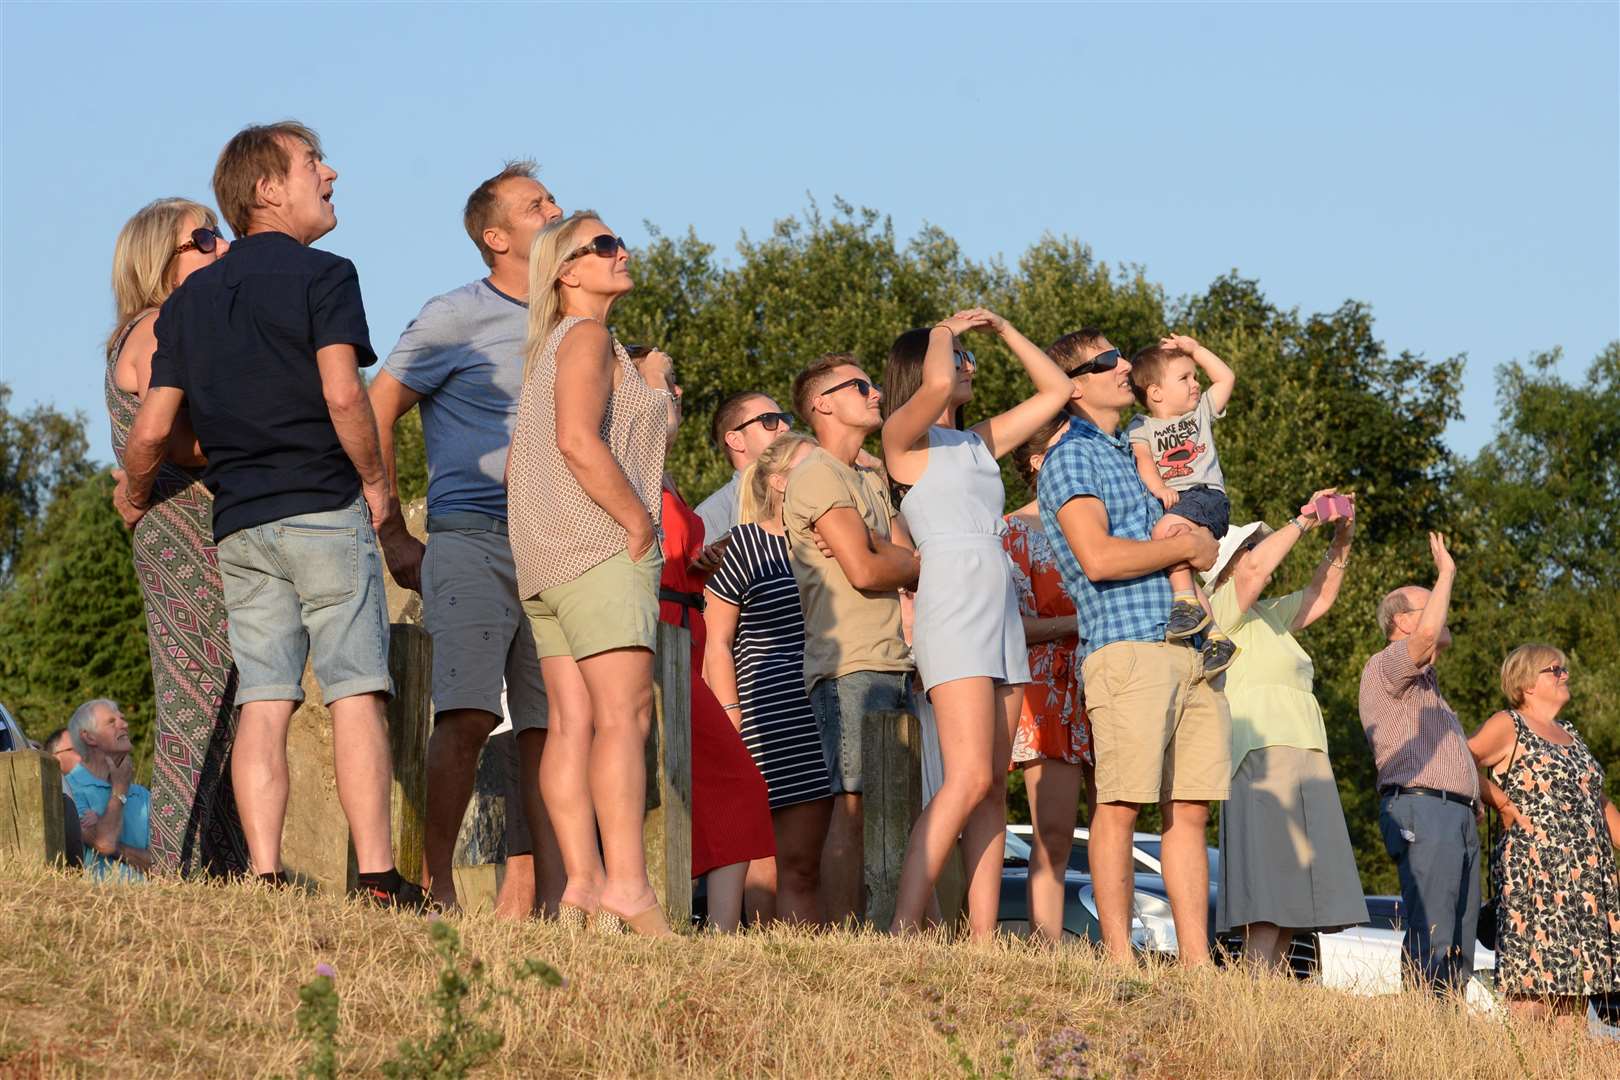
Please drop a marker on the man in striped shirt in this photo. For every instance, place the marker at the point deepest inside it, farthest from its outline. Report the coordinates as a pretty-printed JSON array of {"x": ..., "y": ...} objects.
[{"x": 1428, "y": 785}]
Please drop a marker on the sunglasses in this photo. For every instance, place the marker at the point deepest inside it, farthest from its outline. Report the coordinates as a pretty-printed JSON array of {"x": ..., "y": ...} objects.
[
  {"x": 865, "y": 386},
  {"x": 606, "y": 245},
  {"x": 204, "y": 240},
  {"x": 770, "y": 421},
  {"x": 1103, "y": 361},
  {"x": 1557, "y": 671},
  {"x": 963, "y": 357}
]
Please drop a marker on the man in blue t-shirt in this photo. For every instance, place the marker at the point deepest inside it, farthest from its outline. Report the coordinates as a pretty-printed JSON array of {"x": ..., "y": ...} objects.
[
  {"x": 264, "y": 350},
  {"x": 117, "y": 812},
  {"x": 1160, "y": 733},
  {"x": 461, "y": 362}
]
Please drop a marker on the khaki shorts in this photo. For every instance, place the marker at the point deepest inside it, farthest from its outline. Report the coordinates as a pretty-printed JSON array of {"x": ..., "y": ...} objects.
[
  {"x": 613, "y": 605},
  {"x": 1159, "y": 731},
  {"x": 481, "y": 640}
]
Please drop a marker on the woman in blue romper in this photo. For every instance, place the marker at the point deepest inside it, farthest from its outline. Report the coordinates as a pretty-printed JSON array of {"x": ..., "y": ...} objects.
[{"x": 967, "y": 635}]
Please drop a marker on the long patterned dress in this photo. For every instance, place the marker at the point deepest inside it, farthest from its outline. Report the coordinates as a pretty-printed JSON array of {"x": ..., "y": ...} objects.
[
  {"x": 194, "y": 820},
  {"x": 1558, "y": 919},
  {"x": 1052, "y": 722}
]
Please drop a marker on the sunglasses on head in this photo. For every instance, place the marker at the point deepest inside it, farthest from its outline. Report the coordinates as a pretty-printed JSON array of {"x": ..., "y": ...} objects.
[
  {"x": 865, "y": 386},
  {"x": 204, "y": 240},
  {"x": 770, "y": 421},
  {"x": 1557, "y": 671},
  {"x": 607, "y": 246},
  {"x": 1103, "y": 361}
]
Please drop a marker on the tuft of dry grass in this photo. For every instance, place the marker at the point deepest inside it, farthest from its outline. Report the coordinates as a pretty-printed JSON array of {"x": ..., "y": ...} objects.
[{"x": 201, "y": 979}]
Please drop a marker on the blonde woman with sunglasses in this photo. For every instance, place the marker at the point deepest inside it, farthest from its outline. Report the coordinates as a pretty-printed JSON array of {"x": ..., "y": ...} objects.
[
  {"x": 194, "y": 820},
  {"x": 585, "y": 482}
]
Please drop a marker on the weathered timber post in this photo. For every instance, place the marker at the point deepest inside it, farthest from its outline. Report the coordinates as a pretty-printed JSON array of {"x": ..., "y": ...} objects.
[
  {"x": 668, "y": 830},
  {"x": 31, "y": 807},
  {"x": 891, "y": 799},
  {"x": 315, "y": 838}
]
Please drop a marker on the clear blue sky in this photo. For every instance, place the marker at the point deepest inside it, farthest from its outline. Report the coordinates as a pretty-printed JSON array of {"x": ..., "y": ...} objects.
[{"x": 1455, "y": 166}]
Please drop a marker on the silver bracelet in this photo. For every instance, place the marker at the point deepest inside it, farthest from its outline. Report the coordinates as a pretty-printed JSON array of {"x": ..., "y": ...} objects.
[
  {"x": 1331, "y": 561},
  {"x": 734, "y": 705}
]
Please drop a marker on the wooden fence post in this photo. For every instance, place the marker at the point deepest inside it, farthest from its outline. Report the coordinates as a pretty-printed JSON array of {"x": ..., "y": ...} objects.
[
  {"x": 891, "y": 799},
  {"x": 668, "y": 830},
  {"x": 410, "y": 721},
  {"x": 31, "y": 825}
]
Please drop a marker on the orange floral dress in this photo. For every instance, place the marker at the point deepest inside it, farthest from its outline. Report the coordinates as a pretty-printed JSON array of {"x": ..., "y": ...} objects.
[{"x": 1052, "y": 724}]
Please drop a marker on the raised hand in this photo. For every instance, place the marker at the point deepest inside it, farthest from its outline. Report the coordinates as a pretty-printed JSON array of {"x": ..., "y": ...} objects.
[
  {"x": 1443, "y": 562},
  {"x": 973, "y": 319},
  {"x": 1180, "y": 342}
]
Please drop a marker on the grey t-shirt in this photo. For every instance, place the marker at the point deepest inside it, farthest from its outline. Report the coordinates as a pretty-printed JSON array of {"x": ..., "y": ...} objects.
[
  {"x": 719, "y": 511},
  {"x": 1183, "y": 447},
  {"x": 464, "y": 354}
]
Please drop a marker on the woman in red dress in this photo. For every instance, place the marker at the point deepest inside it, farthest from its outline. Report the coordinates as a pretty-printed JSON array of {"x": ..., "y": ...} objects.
[{"x": 731, "y": 813}]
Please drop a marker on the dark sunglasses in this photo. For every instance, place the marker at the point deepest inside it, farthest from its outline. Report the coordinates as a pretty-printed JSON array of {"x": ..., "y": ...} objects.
[
  {"x": 770, "y": 421},
  {"x": 606, "y": 246},
  {"x": 1103, "y": 361},
  {"x": 204, "y": 240},
  {"x": 962, "y": 356},
  {"x": 1557, "y": 671},
  {"x": 864, "y": 386}
]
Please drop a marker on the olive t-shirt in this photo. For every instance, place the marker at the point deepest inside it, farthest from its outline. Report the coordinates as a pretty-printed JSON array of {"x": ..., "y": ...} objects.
[{"x": 845, "y": 629}]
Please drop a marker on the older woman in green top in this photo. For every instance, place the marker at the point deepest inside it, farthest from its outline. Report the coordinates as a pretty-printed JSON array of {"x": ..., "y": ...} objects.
[{"x": 1286, "y": 862}]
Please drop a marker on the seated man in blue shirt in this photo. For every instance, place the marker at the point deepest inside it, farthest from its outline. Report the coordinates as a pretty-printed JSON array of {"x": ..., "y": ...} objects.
[
  {"x": 117, "y": 845},
  {"x": 1160, "y": 733}
]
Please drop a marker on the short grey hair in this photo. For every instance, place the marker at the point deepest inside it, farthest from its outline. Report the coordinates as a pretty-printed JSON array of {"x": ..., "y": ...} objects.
[
  {"x": 1394, "y": 603},
  {"x": 83, "y": 717}
]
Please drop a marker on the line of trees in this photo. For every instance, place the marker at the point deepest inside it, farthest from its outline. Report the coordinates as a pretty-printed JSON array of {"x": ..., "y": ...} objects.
[{"x": 1320, "y": 401}]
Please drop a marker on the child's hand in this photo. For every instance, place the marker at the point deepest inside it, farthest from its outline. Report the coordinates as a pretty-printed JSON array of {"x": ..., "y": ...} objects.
[
  {"x": 1169, "y": 497},
  {"x": 1180, "y": 342}
]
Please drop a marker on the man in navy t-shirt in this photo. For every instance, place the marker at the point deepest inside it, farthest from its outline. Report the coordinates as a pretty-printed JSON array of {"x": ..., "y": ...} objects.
[{"x": 264, "y": 350}]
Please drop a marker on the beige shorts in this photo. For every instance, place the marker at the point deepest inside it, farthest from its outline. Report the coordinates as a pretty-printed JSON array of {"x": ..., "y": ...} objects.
[
  {"x": 1159, "y": 731},
  {"x": 613, "y": 605}
]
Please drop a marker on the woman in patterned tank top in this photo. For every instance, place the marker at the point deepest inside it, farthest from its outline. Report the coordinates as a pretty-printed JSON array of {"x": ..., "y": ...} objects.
[{"x": 585, "y": 482}]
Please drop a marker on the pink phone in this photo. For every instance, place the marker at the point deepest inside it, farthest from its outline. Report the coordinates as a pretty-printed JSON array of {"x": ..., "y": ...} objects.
[{"x": 1334, "y": 507}]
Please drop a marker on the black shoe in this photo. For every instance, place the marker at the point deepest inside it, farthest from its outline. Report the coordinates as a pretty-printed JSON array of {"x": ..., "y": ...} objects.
[
  {"x": 1186, "y": 619},
  {"x": 277, "y": 880},
  {"x": 1218, "y": 654},
  {"x": 394, "y": 892}
]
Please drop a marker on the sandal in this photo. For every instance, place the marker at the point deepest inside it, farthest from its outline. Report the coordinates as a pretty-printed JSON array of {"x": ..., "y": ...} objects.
[
  {"x": 571, "y": 918},
  {"x": 648, "y": 922}
]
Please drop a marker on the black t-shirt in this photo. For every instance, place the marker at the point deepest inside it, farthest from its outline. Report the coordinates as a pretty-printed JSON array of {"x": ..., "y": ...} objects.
[{"x": 238, "y": 338}]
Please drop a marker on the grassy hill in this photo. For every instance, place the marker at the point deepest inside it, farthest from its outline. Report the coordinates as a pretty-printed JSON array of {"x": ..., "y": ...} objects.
[{"x": 189, "y": 979}]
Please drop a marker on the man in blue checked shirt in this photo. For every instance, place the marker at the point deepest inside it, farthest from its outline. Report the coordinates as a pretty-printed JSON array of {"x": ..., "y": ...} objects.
[{"x": 1160, "y": 733}]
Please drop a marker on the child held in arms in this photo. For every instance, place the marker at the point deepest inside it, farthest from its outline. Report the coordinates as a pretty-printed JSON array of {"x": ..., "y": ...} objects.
[{"x": 1174, "y": 444}]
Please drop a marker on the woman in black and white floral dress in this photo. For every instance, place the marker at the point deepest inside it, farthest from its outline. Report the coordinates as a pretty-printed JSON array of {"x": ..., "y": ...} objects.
[{"x": 1558, "y": 917}]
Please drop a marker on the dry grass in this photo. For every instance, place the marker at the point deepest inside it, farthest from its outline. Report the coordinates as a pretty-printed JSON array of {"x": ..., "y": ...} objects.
[{"x": 181, "y": 979}]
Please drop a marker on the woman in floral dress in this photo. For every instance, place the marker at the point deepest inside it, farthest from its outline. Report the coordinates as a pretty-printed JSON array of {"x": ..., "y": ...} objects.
[
  {"x": 194, "y": 820},
  {"x": 1053, "y": 742},
  {"x": 1558, "y": 912}
]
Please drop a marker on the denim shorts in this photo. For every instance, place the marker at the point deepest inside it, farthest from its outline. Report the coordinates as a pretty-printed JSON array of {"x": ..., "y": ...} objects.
[
  {"x": 307, "y": 585},
  {"x": 1206, "y": 506},
  {"x": 840, "y": 704}
]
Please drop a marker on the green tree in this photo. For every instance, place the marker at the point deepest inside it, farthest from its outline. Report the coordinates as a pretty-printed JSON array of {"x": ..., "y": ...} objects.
[
  {"x": 42, "y": 451},
  {"x": 71, "y": 621}
]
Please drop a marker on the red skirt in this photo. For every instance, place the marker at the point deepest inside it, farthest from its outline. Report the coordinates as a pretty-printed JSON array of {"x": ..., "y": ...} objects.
[{"x": 731, "y": 808}]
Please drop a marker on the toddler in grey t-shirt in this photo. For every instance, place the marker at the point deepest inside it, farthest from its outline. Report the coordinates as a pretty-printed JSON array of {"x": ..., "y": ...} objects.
[{"x": 1174, "y": 445}]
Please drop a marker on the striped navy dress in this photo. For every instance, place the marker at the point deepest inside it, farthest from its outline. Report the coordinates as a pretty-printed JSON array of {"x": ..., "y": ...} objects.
[{"x": 778, "y": 726}]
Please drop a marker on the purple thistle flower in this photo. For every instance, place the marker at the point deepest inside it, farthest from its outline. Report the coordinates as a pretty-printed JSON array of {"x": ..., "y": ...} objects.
[{"x": 325, "y": 969}]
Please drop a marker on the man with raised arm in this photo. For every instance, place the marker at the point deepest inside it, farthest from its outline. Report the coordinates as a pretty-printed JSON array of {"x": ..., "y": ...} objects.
[
  {"x": 461, "y": 361},
  {"x": 1428, "y": 784},
  {"x": 264, "y": 349},
  {"x": 840, "y": 521},
  {"x": 1160, "y": 733}
]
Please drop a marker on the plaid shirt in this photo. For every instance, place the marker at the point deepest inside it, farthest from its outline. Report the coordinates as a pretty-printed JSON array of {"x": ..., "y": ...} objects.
[{"x": 1088, "y": 462}]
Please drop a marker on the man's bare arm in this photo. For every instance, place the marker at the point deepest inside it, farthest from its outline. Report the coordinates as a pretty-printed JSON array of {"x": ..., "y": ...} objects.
[{"x": 1084, "y": 521}]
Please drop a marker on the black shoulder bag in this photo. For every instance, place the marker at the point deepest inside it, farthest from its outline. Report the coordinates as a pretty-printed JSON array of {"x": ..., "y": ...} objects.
[{"x": 1488, "y": 911}]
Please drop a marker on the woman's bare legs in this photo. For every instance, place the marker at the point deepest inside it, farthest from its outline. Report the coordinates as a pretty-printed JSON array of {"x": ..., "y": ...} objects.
[
  {"x": 565, "y": 782},
  {"x": 985, "y": 834},
  {"x": 966, "y": 715},
  {"x": 619, "y": 683},
  {"x": 1054, "y": 805},
  {"x": 1266, "y": 945},
  {"x": 725, "y": 887},
  {"x": 801, "y": 831},
  {"x": 759, "y": 891}
]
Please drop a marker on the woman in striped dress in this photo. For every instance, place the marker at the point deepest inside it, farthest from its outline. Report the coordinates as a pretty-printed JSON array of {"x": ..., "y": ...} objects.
[
  {"x": 755, "y": 665},
  {"x": 194, "y": 820}
]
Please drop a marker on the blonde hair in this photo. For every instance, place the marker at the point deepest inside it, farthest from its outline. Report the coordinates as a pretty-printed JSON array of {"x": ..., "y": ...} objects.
[
  {"x": 547, "y": 256},
  {"x": 1524, "y": 666},
  {"x": 143, "y": 254},
  {"x": 754, "y": 503}
]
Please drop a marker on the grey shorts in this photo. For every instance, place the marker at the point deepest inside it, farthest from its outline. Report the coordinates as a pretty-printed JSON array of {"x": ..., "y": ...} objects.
[
  {"x": 481, "y": 638},
  {"x": 307, "y": 587},
  {"x": 840, "y": 704}
]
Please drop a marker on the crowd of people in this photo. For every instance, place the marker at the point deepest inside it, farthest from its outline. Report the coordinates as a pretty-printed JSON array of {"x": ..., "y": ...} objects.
[{"x": 1069, "y": 638}]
